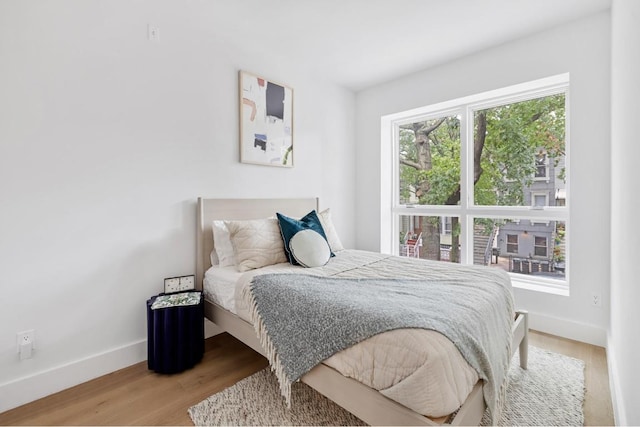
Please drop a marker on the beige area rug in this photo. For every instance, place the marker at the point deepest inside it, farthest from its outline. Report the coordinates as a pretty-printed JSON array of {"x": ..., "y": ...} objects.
[{"x": 550, "y": 392}]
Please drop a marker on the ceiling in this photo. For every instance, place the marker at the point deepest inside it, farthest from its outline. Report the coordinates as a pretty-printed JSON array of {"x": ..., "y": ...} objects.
[{"x": 361, "y": 43}]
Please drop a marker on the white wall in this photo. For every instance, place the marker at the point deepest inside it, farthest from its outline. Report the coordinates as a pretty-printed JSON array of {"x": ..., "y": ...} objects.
[
  {"x": 106, "y": 141},
  {"x": 623, "y": 344},
  {"x": 581, "y": 49}
]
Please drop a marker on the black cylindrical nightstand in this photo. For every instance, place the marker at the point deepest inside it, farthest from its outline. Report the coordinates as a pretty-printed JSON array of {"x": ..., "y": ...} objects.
[{"x": 175, "y": 331}]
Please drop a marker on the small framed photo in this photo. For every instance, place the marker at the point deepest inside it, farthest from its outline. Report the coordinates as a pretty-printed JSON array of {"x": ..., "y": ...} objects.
[{"x": 266, "y": 121}]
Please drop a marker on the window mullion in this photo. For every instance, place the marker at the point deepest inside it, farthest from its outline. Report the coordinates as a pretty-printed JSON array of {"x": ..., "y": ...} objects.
[{"x": 466, "y": 185}]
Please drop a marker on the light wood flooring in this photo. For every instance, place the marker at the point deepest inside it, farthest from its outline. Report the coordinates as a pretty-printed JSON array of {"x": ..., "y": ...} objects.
[{"x": 137, "y": 396}]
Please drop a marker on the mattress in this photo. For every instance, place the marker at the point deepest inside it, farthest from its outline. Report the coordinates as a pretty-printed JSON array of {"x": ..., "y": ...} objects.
[
  {"x": 219, "y": 286},
  {"x": 420, "y": 369}
]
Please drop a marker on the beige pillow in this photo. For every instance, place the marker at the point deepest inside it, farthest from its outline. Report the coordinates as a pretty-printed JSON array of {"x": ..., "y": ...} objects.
[
  {"x": 329, "y": 230},
  {"x": 222, "y": 245},
  {"x": 256, "y": 243}
]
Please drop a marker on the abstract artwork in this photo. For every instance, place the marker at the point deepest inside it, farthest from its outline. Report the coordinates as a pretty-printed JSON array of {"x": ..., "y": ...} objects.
[{"x": 266, "y": 122}]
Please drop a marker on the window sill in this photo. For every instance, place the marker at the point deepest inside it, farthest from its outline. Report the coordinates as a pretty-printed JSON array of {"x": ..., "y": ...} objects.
[{"x": 555, "y": 288}]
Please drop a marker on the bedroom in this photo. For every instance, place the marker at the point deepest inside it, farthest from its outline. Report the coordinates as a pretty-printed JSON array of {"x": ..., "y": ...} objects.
[{"x": 107, "y": 140}]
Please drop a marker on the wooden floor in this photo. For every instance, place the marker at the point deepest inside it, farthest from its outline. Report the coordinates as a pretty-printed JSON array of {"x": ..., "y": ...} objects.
[{"x": 136, "y": 396}]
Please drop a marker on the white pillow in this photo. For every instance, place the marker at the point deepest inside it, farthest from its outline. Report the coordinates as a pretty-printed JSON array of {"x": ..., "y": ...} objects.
[
  {"x": 330, "y": 231},
  {"x": 222, "y": 245},
  {"x": 309, "y": 248},
  {"x": 256, "y": 243},
  {"x": 213, "y": 257}
]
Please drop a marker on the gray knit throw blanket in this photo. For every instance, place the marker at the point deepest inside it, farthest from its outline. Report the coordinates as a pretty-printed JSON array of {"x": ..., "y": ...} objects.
[{"x": 302, "y": 320}]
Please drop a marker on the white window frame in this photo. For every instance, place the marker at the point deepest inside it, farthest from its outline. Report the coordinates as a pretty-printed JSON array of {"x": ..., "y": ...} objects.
[
  {"x": 533, "y": 204},
  {"x": 467, "y": 211},
  {"x": 546, "y": 170},
  {"x": 546, "y": 246},
  {"x": 534, "y": 194}
]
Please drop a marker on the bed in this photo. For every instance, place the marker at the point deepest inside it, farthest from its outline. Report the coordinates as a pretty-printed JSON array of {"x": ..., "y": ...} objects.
[{"x": 372, "y": 406}]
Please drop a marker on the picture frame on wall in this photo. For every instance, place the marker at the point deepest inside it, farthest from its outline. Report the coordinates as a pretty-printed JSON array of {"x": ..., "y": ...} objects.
[{"x": 266, "y": 121}]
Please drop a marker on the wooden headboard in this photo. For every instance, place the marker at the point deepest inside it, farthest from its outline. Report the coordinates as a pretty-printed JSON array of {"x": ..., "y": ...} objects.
[{"x": 238, "y": 209}]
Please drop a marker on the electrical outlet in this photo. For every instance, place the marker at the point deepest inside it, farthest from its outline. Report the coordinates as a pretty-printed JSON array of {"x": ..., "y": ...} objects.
[
  {"x": 596, "y": 300},
  {"x": 153, "y": 33},
  {"x": 25, "y": 343}
]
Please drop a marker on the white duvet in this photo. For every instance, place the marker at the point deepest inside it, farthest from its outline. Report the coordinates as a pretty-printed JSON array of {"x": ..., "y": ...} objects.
[{"x": 420, "y": 369}]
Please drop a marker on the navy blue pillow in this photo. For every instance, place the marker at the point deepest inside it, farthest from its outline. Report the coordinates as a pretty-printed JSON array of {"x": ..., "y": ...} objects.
[{"x": 290, "y": 226}]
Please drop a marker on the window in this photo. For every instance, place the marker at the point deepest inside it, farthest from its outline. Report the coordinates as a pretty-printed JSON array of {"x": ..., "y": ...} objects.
[
  {"x": 541, "y": 165},
  {"x": 561, "y": 196},
  {"x": 540, "y": 246},
  {"x": 428, "y": 237},
  {"x": 512, "y": 243},
  {"x": 447, "y": 225},
  {"x": 428, "y": 155},
  {"x": 539, "y": 200},
  {"x": 482, "y": 180}
]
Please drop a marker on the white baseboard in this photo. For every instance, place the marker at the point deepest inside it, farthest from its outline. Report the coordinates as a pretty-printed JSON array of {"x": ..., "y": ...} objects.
[
  {"x": 619, "y": 417},
  {"x": 27, "y": 389},
  {"x": 40, "y": 384},
  {"x": 564, "y": 328}
]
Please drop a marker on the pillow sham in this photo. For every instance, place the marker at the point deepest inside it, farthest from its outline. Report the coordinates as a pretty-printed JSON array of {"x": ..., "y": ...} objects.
[
  {"x": 290, "y": 226},
  {"x": 222, "y": 245},
  {"x": 330, "y": 232},
  {"x": 257, "y": 243},
  {"x": 213, "y": 257},
  {"x": 309, "y": 248}
]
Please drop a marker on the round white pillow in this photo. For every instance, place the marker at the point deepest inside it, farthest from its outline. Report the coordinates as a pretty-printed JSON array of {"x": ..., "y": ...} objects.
[{"x": 309, "y": 248}]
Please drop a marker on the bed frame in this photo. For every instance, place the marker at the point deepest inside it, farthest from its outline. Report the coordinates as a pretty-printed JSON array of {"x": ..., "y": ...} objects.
[{"x": 364, "y": 402}]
